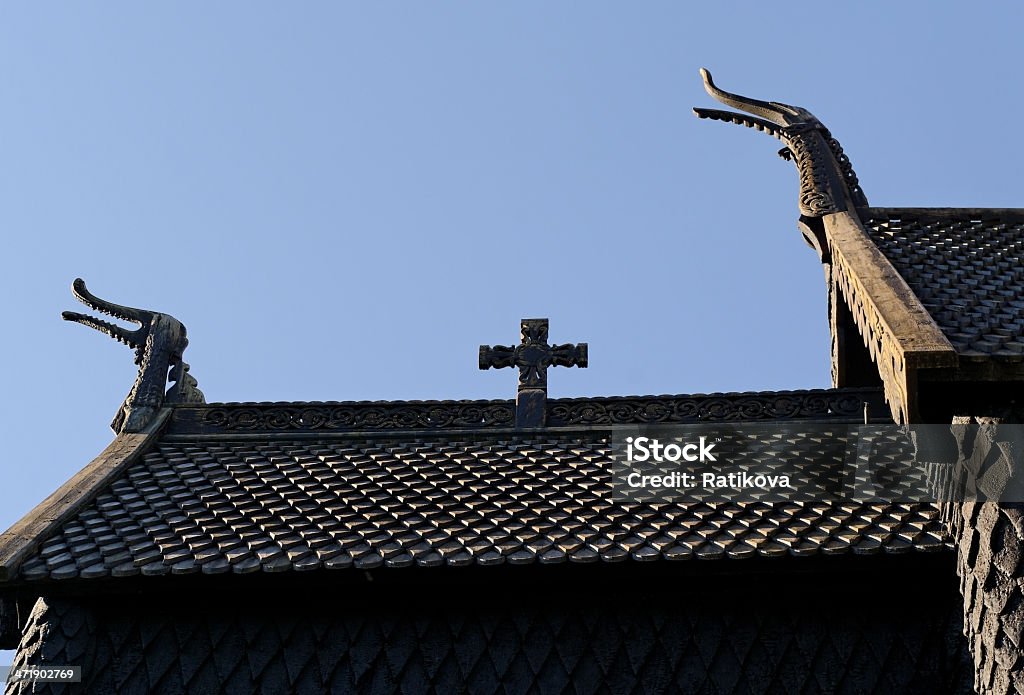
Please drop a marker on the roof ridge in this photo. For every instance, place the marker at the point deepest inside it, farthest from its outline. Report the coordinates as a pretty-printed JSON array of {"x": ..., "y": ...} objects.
[
  {"x": 409, "y": 416},
  {"x": 710, "y": 394}
]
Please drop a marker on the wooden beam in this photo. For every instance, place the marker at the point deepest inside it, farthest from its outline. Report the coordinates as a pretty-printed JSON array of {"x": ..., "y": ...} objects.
[{"x": 898, "y": 331}]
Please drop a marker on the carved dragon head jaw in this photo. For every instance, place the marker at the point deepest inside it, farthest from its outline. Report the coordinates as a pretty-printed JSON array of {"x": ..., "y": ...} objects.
[
  {"x": 150, "y": 323},
  {"x": 773, "y": 116},
  {"x": 827, "y": 178},
  {"x": 159, "y": 344}
]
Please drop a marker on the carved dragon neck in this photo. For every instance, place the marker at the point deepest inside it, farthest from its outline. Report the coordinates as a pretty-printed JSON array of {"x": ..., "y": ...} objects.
[
  {"x": 159, "y": 344},
  {"x": 827, "y": 179}
]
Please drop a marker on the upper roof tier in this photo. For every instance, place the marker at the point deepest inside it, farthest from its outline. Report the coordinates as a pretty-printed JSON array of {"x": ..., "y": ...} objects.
[
  {"x": 918, "y": 297},
  {"x": 966, "y": 265}
]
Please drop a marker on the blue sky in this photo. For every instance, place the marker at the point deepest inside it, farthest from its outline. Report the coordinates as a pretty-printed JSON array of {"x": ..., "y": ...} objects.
[{"x": 343, "y": 201}]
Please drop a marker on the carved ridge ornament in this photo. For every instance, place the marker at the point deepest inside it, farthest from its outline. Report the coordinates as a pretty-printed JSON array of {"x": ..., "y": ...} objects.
[
  {"x": 882, "y": 345},
  {"x": 159, "y": 345},
  {"x": 367, "y": 417},
  {"x": 713, "y": 408},
  {"x": 614, "y": 410},
  {"x": 826, "y": 174},
  {"x": 533, "y": 356}
]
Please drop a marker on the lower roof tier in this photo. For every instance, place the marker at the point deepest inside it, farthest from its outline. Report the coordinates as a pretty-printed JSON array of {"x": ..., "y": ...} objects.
[{"x": 278, "y": 502}]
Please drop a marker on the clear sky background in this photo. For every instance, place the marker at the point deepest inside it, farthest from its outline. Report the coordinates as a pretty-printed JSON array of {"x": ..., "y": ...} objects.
[{"x": 341, "y": 202}]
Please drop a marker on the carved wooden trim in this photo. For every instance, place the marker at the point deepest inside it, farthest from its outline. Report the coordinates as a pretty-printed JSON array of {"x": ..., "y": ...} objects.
[
  {"x": 714, "y": 407},
  {"x": 828, "y": 183},
  {"x": 898, "y": 331},
  {"x": 345, "y": 417},
  {"x": 286, "y": 418}
]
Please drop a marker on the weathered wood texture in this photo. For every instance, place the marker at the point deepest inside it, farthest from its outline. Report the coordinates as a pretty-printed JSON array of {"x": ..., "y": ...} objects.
[
  {"x": 10, "y": 630},
  {"x": 990, "y": 535},
  {"x": 22, "y": 538},
  {"x": 797, "y": 636},
  {"x": 896, "y": 328}
]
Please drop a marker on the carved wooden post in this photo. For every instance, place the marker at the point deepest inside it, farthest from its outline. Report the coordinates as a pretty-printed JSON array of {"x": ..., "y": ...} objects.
[{"x": 986, "y": 515}]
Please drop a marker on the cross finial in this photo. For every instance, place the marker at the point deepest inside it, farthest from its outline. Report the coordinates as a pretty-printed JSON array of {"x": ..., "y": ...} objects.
[{"x": 533, "y": 356}]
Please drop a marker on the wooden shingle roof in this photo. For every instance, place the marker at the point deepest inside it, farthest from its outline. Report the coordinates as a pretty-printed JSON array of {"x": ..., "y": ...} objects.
[
  {"x": 281, "y": 491},
  {"x": 966, "y": 265}
]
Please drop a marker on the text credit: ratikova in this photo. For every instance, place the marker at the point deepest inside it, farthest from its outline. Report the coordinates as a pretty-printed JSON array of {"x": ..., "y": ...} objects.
[{"x": 711, "y": 481}]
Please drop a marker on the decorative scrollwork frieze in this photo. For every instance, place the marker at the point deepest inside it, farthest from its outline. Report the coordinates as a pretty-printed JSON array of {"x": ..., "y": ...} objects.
[
  {"x": 846, "y": 169},
  {"x": 816, "y": 195},
  {"x": 533, "y": 356},
  {"x": 722, "y": 407},
  {"x": 359, "y": 417},
  {"x": 882, "y": 345},
  {"x": 567, "y": 412}
]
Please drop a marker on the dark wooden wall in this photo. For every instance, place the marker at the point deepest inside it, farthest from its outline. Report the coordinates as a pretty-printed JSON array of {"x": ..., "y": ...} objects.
[{"x": 621, "y": 629}]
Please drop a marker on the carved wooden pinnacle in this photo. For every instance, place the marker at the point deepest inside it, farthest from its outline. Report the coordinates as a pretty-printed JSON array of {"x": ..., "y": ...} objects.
[{"x": 533, "y": 356}]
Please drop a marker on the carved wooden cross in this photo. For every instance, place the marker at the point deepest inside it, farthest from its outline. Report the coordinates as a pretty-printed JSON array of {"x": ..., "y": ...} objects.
[{"x": 533, "y": 356}]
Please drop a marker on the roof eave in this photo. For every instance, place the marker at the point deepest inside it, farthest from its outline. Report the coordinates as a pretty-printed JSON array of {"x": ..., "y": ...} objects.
[{"x": 17, "y": 542}]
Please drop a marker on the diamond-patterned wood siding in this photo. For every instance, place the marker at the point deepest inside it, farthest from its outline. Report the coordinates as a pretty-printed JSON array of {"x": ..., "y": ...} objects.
[{"x": 765, "y": 639}]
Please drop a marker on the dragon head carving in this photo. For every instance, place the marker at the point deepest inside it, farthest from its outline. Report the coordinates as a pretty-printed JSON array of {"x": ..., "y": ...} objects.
[
  {"x": 159, "y": 345},
  {"x": 827, "y": 178}
]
